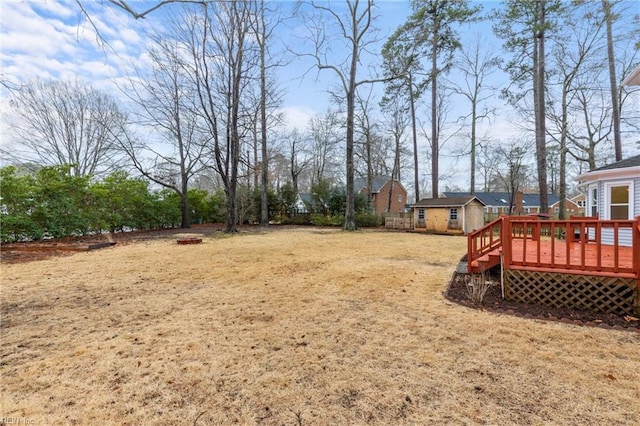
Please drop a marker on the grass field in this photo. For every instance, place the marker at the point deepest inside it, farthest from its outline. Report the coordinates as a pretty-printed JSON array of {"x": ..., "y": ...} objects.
[{"x": 297, "y": 327}]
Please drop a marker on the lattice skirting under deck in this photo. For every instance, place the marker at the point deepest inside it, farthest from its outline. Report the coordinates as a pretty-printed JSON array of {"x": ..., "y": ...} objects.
[{"x": 601, "y": 294}]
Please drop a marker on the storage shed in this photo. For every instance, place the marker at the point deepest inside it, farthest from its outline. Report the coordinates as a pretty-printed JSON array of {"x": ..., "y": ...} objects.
[{"x": 456, "y": 215}]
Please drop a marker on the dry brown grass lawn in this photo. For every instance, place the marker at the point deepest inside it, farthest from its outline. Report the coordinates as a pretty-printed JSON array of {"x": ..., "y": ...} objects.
[{"x": 299, "y": 326}]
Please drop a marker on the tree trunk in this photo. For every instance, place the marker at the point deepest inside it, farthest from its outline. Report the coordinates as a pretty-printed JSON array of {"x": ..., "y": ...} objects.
[
  {"x": 472, "y": 184},
  {"x": 369, "y": 168},
  {"x": 350, "y": 214},
  {"x": 539, "y": 105},
  {"x": 184, "y": 203},
  {"x": 412, "y": 105},
  {"x": 434, "y": 113},
  {"x": 264, "y": 198},
  {"x": 615, "y": 107}
]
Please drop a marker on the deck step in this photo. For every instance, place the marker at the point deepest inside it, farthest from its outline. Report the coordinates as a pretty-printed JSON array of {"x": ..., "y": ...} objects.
[{"x": 486, "y": 262}]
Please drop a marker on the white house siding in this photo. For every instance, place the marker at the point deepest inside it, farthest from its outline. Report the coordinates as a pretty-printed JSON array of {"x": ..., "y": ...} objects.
[
  {"x": 625, "y": 237},
  {"x": 636, "y": 196}
]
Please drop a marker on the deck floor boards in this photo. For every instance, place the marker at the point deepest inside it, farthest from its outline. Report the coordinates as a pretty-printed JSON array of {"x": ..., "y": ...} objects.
[
  {"x": 593, "y": 261},
  {"x": 571, "y": 255}
]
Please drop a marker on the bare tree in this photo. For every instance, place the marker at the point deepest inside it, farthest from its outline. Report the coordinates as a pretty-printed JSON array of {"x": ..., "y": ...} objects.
[
  {"x": 572, "y": 62},
  {"x": 525, "y": 26},
  {"x": 163, "y": 98},
  {"x": 325, "y": 138},
  {"x": 299, "y": 160},
  {"x": 432, "y": 28},
  {"x": 594, "y": 128},
  {"x": 476, "y": 65},
  {"x": 402, "y": 59},
  {"x": 487, "y": 166},
  {"x": 67, "y": 122},
  {"x": 511, "y": 175},
  {"x": 613, "y": 81},
  {"x": 354, "y": 29},
  {"x": 443, "y": 133},
  {"x": 263, "y": 29},
  {"x": 221, "y": 59},
  {"x": 396, "y": 124},
  {"x": 141, "y": 14},
  {"x": 365, "y": 130}
]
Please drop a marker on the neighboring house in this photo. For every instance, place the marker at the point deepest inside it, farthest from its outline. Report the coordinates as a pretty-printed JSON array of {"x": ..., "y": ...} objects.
[
  {"x": 633, "y": 79},
  {"x": 382, "y": 187},
  {"x": 613, "y": 192},
  {"x": 497, "y": 203},
  {"x": 573, "y": 206},
  {"x": 304, "y": 201},
  {"x": 458, "y": 215}
]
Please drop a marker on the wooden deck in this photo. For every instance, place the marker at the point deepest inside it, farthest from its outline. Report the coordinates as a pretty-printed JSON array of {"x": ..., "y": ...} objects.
[
  {"x": 569, "y": 246},
  {"x": 562, "y": 256},
  {"x": 580, "y": 263}
]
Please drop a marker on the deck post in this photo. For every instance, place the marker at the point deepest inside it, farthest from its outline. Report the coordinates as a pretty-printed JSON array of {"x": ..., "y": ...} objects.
[
  {"x": 505, "y": 237},
  {"x": 636, "y": 253}
]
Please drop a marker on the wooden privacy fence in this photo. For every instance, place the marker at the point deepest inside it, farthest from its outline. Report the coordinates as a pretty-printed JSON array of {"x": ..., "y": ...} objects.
[{"x": 404, "y": 222}]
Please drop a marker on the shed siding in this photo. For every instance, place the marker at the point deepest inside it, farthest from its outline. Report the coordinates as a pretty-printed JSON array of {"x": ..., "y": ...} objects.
[{"x": 474, "y": 217}]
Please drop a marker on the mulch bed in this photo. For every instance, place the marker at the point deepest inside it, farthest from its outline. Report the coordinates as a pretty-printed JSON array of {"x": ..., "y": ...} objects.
[
  {"x": 39, "y": 250},
  {"x": 457, "y": 292}
]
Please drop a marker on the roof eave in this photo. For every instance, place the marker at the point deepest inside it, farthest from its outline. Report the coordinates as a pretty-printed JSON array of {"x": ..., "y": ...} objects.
[
  {"x": 610, "y": 173},
  {"x": 632, "y": 79}
]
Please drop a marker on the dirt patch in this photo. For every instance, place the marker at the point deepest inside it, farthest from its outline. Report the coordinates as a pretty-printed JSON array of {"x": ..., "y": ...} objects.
[{"x": 39, "y": 250}]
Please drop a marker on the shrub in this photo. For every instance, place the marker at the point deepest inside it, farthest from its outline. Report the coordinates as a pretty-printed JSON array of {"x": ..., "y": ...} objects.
[
  {"x": 324, "y": 220},
  {"x": 477, "y": 286},
  {"x": 368, "y": 220},
  {"x": 299, "y": 219}
]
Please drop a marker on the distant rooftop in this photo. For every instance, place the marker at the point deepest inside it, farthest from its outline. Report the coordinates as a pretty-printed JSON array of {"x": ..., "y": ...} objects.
[{"x": 496, "y": 199}]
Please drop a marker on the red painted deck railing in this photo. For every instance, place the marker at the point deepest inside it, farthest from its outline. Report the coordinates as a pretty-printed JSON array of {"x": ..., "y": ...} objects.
[
  {"x": 484, "y": 240},
  {"x": 584, "y": 245},
  {"x": 572, "y": 246}
]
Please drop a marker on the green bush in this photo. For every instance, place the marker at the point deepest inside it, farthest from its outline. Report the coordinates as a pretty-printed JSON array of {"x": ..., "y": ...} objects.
[
  {"x": 324, "y": 220},
  {"x": 368, "y": 220},
  {"x": 62, "y": 203},
  {"x": 299, "y": 219}
]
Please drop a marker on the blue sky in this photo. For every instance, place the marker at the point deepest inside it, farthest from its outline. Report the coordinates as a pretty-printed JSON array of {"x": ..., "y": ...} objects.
[{"x": 53, "y": 40}]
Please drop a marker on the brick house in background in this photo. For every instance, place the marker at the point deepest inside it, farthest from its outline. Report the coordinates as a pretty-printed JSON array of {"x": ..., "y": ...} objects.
[
  {"x": 573, "y": 206},
  {"x": 382, "y": 187}
]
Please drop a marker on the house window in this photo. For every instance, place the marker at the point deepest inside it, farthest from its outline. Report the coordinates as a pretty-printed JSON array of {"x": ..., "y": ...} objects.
[
  {"x": 453, "y": 214},
  {"x": 581, "y": 203},
  {"x": 399, "y": 198},
  {"x": 619, "y": 201},
  {"x": 421, "y": 214}
]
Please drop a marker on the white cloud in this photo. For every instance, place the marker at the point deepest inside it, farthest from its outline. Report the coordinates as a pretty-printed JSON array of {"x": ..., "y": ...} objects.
[{"x": 297, "y": 116}]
